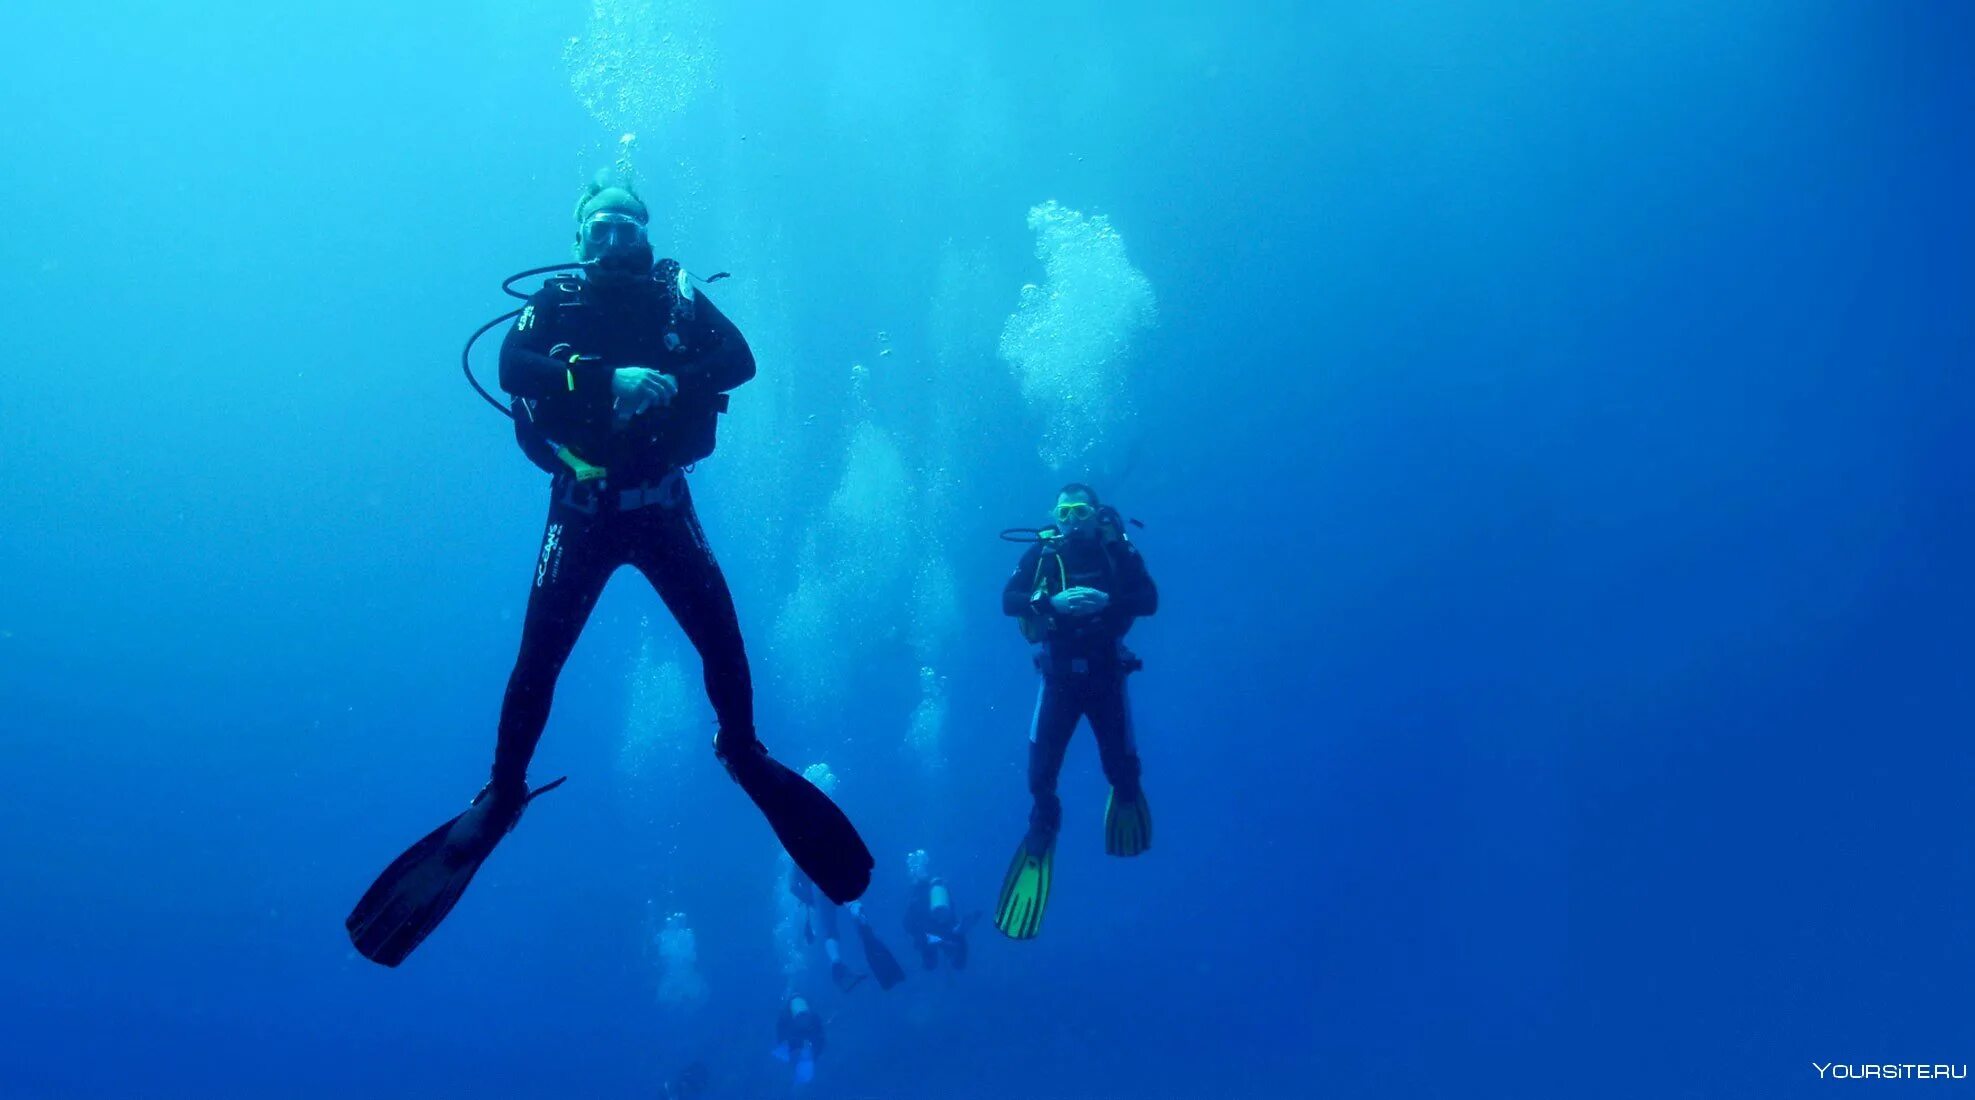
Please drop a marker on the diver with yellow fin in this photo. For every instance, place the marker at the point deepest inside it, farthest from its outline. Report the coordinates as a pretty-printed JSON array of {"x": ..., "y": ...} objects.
[
  {"x": 1075, "y": 594},
  {"x": 618, "y": 372}
]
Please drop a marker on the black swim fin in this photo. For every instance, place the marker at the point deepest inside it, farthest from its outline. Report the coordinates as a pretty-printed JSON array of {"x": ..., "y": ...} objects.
[
  {"x": 845, "y": 978},
  {"x": 884, "y": 965},
  {"x": 421, "y": 886},
  {"x": 816, "y": 834}
]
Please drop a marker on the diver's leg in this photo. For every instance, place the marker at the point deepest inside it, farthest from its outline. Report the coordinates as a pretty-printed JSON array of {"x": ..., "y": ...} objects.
[
  {"x": 1110, "y": 712},
  {"x": 570, "y": 571},
  {"x": 1055, "y": 720},
  {"x": 672, "y": 552},
  {"x": 826, "y": 912},
  {"x": 1127, "y": 818}
]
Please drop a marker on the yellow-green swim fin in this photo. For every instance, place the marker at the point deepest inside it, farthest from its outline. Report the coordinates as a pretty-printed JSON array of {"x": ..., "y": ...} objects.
[
  {"x": 1025, "y": 892},
  {"x": 1127, "y": 824}
]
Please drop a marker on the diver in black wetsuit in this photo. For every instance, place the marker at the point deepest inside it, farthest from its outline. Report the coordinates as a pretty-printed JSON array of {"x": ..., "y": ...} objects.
[
  {"x": 1075, "y": 593},
  {"x": 617, "y": 378}
]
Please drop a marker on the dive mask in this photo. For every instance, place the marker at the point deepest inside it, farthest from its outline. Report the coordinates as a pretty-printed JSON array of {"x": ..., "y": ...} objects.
[{"x": 609, "y": 232}]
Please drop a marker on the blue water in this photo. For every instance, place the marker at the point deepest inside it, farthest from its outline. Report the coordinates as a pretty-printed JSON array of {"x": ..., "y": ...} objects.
[{"x": 1551, "y": 435}]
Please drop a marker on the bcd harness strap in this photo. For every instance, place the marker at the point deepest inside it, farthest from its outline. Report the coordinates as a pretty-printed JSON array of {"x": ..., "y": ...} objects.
[
  {"x": 1040, "y": 590},
  {"x": 584, "y": 497}
]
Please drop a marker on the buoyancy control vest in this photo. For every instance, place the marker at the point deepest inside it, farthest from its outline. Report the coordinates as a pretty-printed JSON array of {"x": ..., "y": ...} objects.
[
  {"x": 1053, "y": 572},
  {"x": 662, "y": 438}
]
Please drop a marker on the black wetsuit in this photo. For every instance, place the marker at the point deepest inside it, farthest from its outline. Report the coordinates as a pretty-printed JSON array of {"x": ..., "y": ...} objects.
[
  {"x": 558, "y": 362},
  {"x": 1082, "y": 659}
]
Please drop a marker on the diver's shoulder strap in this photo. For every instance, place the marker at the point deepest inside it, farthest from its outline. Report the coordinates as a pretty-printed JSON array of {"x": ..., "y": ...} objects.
[
  {"x": 1119, "y": 554},
  {"x": 1112, "y": 523},
  {"x": 1050, "y": 551}
]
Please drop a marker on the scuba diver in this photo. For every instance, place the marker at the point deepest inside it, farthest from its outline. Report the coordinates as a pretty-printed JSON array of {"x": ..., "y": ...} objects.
[
  {"x": 819, "y": 916},
  {"x": 1075, "y": 593},
  {"x": 617, "y": 375},
  {"x": 799, "y": 1037},
  {"x": 820, "y": 912},
  {"x": 930, "y": 918}
]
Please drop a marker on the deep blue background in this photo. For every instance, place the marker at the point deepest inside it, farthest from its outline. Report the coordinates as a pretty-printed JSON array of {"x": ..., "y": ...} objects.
[{"x": 1553, "y": 453}]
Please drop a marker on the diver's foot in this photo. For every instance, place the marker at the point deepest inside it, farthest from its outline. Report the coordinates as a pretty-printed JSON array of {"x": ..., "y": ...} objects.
[
  {"x": 1039, "y": 840},
  {"x": 421, "y": 886},
  {"x": 492, "y": 815},
  {"x": 735, "y": 747}
]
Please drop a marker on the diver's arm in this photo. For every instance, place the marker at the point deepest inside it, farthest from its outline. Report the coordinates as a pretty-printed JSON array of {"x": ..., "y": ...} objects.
[
  {"x": 721, "y": 358},
  {"x": 1137, "y": 596},
  {"x": 535, "y": 365},
  {"x": 532, "y": 374},
  {"x": 1015, "y": 595}
]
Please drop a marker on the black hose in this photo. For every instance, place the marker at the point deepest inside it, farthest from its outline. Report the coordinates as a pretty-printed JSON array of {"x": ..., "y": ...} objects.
[
  {"x": 466, "y": 358},
  {"x": 507, "y": 288},
  {"x": 507, "y": 284}
]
